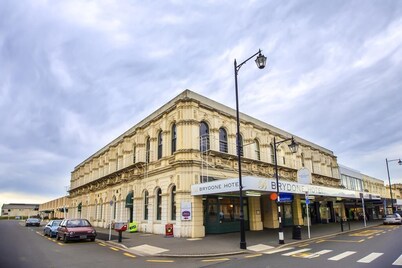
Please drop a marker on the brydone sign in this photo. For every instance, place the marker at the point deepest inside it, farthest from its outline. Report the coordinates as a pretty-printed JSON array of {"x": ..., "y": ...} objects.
[{"x": 269, "y": 185}]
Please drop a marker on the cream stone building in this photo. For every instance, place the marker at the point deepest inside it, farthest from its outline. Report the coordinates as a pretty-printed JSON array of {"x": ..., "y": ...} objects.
[
  {"x": 171, "y": 167},
  {"x": 56, "y": 208},
  {"x": 20, "y": 210}
]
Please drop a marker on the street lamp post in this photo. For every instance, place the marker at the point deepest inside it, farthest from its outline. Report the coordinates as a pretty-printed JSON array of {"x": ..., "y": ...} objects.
[
  {"x": 260, "y": 61},
  {"x": 293, "y": 146},
  {"x": 389, "y": 180}
]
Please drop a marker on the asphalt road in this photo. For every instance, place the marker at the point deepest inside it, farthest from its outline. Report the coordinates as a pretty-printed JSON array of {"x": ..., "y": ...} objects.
[
  {"x": 380, "y": 246},
  {"x": 375, "y": 247}
]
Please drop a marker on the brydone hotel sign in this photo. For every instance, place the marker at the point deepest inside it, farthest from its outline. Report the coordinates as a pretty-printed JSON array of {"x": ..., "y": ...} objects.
[{"x": 269, "y": 185}]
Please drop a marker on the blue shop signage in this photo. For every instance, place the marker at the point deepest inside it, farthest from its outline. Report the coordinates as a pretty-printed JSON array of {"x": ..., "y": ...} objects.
[{"x": 286, "y": 197}]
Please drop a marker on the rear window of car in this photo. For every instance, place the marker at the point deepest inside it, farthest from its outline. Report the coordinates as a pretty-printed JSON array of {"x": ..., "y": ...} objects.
[
  {"x": 56, "y": 223},
  {"x": 390, "y": 216},
  {"x": 78, "y": 223}
]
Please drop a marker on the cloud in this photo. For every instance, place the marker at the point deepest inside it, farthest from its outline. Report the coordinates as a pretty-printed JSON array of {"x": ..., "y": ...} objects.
[{"x": 74, "y": 75}]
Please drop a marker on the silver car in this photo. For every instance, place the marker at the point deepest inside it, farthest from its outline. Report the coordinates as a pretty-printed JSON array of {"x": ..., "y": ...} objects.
[{"x": 393, "y": 219}]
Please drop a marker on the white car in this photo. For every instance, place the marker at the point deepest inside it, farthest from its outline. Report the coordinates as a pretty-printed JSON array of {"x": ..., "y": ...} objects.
[{"x": 393, "y": 219}]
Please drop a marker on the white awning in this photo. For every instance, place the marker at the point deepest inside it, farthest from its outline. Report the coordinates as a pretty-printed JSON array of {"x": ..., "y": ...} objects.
[{"x": 265, "y": 185}]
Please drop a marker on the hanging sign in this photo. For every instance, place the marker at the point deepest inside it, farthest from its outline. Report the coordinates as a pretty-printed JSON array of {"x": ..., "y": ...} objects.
[{"x": 304, "y": 176}]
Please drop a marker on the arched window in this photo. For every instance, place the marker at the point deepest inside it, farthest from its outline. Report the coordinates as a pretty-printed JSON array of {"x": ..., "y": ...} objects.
[
  {"x": 272, "y": 153},
  {"x": 100, "y": 209},
  {"x": 114, "y": 208},
  {"x": 223, "y": 140},
  {"x": 257, "y": 150},
  {"x": 134, "y": 153},
  {"x": 173, "y": 203},
  {"x": 146, "y": 199},
  {"x": 160, "y": 142},
  {"x": 159, "y": 204},
  {"x": 204, "y": 137},
  {"x": 147, "y": 148},
  {"x": 174, "y": 137},
  {"x": 240, "y": 145},
  {"x": 96, "y": 209}
]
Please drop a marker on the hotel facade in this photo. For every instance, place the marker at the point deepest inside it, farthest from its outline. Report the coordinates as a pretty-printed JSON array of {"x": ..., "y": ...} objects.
[{"x": 179, "y": 166}]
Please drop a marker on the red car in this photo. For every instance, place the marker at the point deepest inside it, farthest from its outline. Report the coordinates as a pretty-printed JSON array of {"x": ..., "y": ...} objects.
[{"x": 75, "y": 229}]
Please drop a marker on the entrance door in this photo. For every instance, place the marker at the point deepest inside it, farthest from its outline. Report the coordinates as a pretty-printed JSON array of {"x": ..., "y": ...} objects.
[
  {"x": 222, "y": 214},
  {"x": 287, "y": 217}
]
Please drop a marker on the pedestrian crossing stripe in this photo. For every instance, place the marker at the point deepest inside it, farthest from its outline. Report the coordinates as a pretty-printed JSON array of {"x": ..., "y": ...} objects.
[
  {"x": 371, "y": 257},
  {"x": 272, "y": 251},
  {"x": 305, "y": 254},
  {"x": 342, "y": 255},
  {"x": 398, "y": 261},
  {"x": 296, "y": 252}
]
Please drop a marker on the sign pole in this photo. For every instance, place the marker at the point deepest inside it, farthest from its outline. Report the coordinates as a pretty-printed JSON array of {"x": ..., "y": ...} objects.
[
  {"x": 308, "y": 216},
  {"x": 364, "y": 211}
]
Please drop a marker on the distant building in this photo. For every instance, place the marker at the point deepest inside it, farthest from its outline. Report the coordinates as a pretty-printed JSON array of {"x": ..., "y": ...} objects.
[
  {"x": 56, "y": 208},
  {"x": 20, "y": 210}
]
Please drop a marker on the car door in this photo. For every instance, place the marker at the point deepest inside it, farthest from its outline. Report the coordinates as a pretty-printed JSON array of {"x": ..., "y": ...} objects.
[
  {"x": 47, "y": 228},
  {"x": 61, "y": 230}
]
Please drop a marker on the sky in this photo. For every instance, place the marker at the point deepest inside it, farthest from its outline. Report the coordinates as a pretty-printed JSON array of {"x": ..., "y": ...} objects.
[{"x": 76, "y": 74}]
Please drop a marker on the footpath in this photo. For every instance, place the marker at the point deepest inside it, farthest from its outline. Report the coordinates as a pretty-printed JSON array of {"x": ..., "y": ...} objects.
[{"x": 145, "y": 244}]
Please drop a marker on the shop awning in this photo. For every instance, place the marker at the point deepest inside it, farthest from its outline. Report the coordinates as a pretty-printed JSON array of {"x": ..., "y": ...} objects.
[
  {"x": 266, "y": 185},
  {"x": 129, "y": 200}
]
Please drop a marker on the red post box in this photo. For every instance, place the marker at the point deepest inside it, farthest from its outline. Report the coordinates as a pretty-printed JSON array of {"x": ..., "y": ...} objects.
[
  {"x": 169, "y": 230},
  {"x": 120, "y": 227}
]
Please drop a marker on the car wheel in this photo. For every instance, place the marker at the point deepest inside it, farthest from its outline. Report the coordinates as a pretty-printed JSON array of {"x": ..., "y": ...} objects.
[
  {"x": 65, "y": 239},
  {"x": 92, "y": 239},
  {"x": 57, "y": 237}
]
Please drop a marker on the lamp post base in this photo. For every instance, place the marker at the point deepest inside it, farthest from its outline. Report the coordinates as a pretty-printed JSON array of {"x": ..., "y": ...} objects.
[{"x": 243, "y": 245}]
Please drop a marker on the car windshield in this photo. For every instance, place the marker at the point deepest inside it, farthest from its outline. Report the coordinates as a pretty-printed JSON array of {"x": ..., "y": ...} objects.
[
  {"x": 78, "y": 223},
  {"x": 390, "y": 216},
  {"x": 32, "y": 220},
  {"x": 56, "y": 223}
]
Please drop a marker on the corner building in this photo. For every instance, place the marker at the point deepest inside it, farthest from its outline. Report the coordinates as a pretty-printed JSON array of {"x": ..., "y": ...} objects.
[{"x": 151, "y": 173}]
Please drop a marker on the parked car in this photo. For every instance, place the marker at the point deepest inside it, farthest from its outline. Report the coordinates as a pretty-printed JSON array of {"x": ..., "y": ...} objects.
[
  {"x": 51, "y": 228},
  {"x": 75, "y": 229},
  {"x": 393, "y": 219},
  {"x": 32, "y": 222}
]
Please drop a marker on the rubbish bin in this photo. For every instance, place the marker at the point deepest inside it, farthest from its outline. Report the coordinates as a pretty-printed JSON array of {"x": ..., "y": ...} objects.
[{"x": 296, "y": 234}]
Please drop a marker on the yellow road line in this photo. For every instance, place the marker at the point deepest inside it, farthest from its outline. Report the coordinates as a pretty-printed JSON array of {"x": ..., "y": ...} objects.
[
  {"x": 347, "y": 241},
  {"x": 320, "y": 241},
  {"x": 129, "y": 255},
  {"x": 115, "y": 249},
  {"x": 253, "y": 256},
  {"x": 370, "y": 237},
  {"x": 100, "y": 244},
  {"x": 61, "y": 244},
  {"x": 160, "y": 261},
  {"x": 303, "y": 245},
  {"x": 212, "y": 260}
]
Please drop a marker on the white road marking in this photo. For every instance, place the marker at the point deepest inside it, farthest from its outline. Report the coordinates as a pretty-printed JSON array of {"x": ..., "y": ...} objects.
[
  {"x": 398, "y": 261},
  {"x": 342, "y": 255},
  {"x": 148, "y": 250},
  {"x": 296, "y": 251},
  {"x": 277, "y": 250},
  {"x": 260, "y": 247},
  {"x": 371, "y": 257},
  {"x": 317, "y": 254}
]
